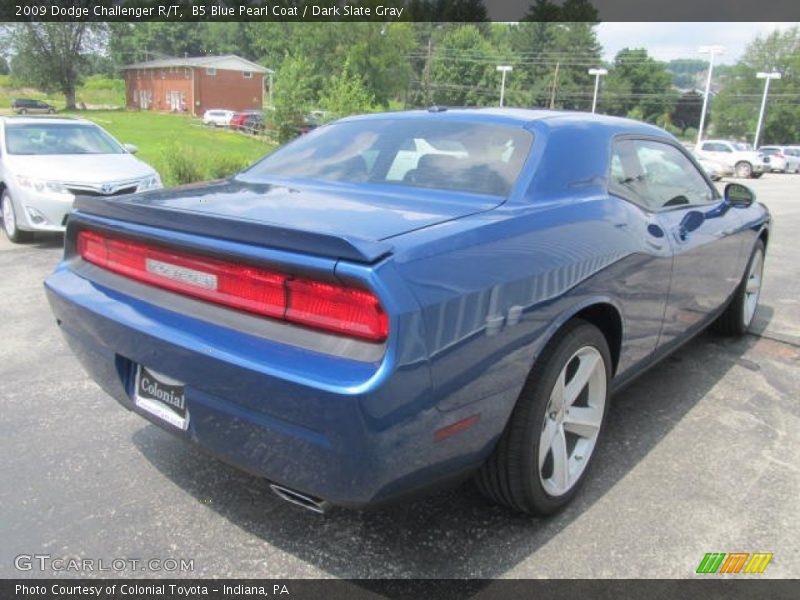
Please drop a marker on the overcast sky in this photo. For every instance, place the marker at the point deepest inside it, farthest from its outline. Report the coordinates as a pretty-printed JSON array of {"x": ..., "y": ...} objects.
[{"x": 666, "y": 41}]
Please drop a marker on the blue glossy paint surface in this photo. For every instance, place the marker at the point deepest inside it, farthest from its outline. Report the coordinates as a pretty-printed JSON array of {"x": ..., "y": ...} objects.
[{"x": 474, "y": 287}]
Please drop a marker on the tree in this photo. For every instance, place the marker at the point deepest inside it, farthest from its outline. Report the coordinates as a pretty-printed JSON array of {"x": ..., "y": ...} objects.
[
  {"x": 553, "y": 36},
  {"x": 345, "y": 94},
  {"x": 646, "y": 83},
  {"x": 736, "y": 108},
  {"x": 463, "y": 69},
  {"x": 294, "y": 95},
  {"x": 685, "y": 71},
  {"x": 54, "y": 56},
  {"x": 687, "y": 110}
]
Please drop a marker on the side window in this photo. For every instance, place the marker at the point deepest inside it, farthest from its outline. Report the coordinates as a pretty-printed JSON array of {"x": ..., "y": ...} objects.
[
  {"x": 655, "y": 176},
  {"x": 709, "y": 147},
  {"x": 670, "y": 177},
  {"x": 626, "y": 178}
]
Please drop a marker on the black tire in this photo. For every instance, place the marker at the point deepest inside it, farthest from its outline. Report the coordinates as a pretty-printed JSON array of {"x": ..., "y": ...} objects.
[
  {"x": 50, "y": 111},
  {"x": 733, "y": 322},
  {"x": 13, "y": 233},
  {"x": 743, "y": 169},
  {"x": 511, "y": 475},
  {"x": 23, "y": 111}
]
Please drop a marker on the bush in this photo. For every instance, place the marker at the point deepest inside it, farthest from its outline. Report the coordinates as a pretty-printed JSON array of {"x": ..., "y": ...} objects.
[
  {"x": 220, "y": 167},
  {"x": 181, "y": 164},
  {"x": 690, "y": 133}
]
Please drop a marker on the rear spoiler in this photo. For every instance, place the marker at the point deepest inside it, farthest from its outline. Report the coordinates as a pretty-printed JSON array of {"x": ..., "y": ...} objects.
[{"x": 257, "y": 233}]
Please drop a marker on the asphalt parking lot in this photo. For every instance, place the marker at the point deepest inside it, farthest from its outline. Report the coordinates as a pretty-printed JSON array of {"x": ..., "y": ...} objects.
[{"x": 702, "y": 454}]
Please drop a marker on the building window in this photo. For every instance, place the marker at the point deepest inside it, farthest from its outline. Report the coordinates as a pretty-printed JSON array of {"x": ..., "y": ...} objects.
[
  {"x": 135, "y": 95},
  {"x": 187, "y": 73},
  {"x": 163, "y": 74},
  {"x": 247, "y": 74},
  {"x": 211, "y": 71}
]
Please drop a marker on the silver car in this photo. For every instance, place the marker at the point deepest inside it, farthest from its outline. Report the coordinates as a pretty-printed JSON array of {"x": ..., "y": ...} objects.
[
  {"x": 781, "y": 158},
  {"x": 45, "y": 162}
]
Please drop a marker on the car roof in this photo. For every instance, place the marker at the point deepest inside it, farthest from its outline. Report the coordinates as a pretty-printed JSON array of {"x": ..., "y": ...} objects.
[{"x": 522, "y": 117}]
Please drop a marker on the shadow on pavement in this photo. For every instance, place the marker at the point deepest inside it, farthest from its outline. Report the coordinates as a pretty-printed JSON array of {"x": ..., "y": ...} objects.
[{"x": 456, "y": 533}]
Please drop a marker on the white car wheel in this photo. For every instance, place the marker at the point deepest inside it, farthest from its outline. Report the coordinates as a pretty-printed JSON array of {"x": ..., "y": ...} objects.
[{"x": 13, "y": 233}]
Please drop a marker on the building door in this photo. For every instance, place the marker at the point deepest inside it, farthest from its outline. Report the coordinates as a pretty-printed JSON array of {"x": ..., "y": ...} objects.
[{"x": 174, "y": 101}]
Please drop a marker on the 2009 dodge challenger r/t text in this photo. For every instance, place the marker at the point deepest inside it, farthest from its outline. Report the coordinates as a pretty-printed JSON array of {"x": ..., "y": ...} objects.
[{"x": 397, "y": 301}]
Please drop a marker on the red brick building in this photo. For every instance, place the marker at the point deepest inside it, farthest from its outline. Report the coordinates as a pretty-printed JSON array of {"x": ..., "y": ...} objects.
[{"x": 195, "y": 84}]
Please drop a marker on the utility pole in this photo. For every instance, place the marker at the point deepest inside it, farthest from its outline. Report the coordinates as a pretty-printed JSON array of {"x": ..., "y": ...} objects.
[
  {"x": 427, "y": 74},
  {"x": 555, "y": 85},
  {"x": 597, "y": 73},
  {"x": 503, "y": 69},
  {"x": 767, "y": 77},
  {"x": 712, "y": 51}
]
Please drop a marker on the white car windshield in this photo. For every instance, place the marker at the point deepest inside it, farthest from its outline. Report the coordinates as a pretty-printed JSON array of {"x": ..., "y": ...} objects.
[
  {"x": 59, "y": 138},
  {"x": 742, "y": 147}
]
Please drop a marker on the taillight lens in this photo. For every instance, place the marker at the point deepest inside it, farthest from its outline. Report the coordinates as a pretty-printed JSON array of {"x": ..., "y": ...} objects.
[
  {"x": 335, "y": 308},
  {"x": 340, "y": 309}
]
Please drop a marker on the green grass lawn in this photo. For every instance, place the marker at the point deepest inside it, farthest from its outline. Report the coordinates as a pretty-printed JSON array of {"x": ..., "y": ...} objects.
[{"x": 179, "y": 146}]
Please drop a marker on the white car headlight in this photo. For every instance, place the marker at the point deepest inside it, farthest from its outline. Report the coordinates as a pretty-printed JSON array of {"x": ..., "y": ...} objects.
[
  {"x": 40, "y": 185},
  {"x": 152, "y": 182}
]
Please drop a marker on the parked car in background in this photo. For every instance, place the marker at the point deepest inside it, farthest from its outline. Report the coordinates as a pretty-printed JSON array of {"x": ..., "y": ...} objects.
[
  {"x": 784, "y": 159},
  {"x": 218, "y": 117},
  {"x": 715, "y": 169},
  {"x": 355, "y": 333},
  {"x": 238, "y": 119},
  {"x": 254, "y": 124},
  {"x": 46, "y": 162},
  {"x": 744, "y": 161},
  {"x": 27, "y": 105}
]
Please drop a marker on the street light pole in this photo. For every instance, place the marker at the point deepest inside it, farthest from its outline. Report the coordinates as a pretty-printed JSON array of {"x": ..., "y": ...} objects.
[
  {"x": 712, "y": 51},
  {"x": 597, "y": 73},
  {"x": 767, "y": 77},
  {"x": 503, "y": 69}
]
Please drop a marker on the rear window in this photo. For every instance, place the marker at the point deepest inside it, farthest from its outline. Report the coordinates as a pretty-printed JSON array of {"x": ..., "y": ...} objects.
[{"x": 443, "y": 155}]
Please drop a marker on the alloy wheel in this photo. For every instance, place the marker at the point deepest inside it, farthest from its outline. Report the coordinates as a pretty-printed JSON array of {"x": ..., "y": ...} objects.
[
  {"x": 572, "y": 421},
  {"x": 9, "y": 221},
  {"x": 752, "y": 290}
]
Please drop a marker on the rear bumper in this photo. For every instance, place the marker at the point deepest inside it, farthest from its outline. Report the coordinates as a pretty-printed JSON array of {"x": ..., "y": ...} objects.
[{"x": 351, "y": 433}]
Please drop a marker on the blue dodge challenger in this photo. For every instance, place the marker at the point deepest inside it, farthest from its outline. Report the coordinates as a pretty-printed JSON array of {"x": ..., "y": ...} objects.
[{"x": 399, "y": 301}]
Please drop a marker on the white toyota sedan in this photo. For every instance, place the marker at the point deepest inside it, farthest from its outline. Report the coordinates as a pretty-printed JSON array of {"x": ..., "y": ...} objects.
[{"x": 45, "y": 162}]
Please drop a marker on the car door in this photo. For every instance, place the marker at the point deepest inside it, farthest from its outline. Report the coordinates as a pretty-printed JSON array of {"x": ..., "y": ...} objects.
[
  {"x": 702, "y": 230},
  {"x": 718, "y": 151}
]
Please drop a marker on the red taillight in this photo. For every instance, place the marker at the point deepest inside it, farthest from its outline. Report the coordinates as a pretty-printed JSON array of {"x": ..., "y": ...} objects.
[
  {"x": 340, "y": 309},
  {"x": 345, "y": 310}
]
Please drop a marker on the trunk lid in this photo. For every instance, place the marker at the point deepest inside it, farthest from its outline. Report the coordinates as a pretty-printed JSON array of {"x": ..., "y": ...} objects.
[{"x": 338, "y": 220}]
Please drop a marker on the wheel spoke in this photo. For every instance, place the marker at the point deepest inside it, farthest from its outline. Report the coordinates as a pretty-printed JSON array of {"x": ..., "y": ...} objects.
[
  {"x": 560, "y": 460},
  {"x": 546, "y": 439},
  {"x": 583, "y": 421},
  {"x": 586, "y": 367},
  {"x": 557, "y": 395}
]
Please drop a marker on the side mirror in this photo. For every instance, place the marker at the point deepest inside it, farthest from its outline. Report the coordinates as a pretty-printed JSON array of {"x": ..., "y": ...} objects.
[
  {"x": 737, "y": 194},
  {"x": 130, "y": 148}
]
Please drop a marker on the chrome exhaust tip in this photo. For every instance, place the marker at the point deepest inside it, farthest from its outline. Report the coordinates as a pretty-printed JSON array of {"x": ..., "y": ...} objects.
[{"x": 300, "y": 499}]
